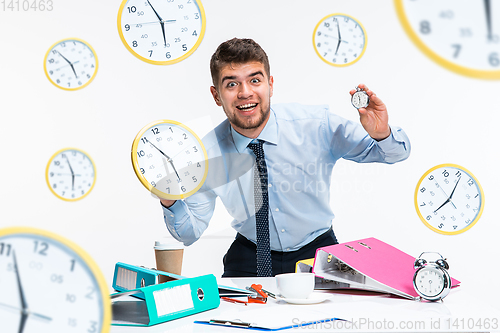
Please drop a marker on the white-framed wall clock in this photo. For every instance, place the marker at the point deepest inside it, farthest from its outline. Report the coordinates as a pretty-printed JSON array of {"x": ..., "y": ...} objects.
[
  {"x": 50, "y": 284},
  {"x": 339, "y": 39},
  {"x": 461, "y": 35},
  {"x": 70, "y": 64},
  {"x": 70, "y": 174},
  {"x": 169, "y": 159},
  {"x": 161, "y": 32},
  {"x": 449, "y": 199}
]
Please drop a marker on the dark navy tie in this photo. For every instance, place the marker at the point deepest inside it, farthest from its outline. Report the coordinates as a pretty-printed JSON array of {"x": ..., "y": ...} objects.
[{"x": 264, "y": 266}]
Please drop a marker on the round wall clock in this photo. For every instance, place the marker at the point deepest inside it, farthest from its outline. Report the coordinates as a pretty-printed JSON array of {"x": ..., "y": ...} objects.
[
  {"x": 161, "y": 32},
  {"x": 70, "y": 174},
  {"x": 70, "y": 64},
  {"x": 459, "y": 35},
  {"x": 169, "y": 159},
  {"x": 339, "y": 40},
  {"x": 49, "y": 284},
  {"x": 449, "y": 199}
]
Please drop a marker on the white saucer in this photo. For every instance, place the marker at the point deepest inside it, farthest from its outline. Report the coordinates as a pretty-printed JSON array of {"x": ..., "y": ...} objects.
[{"x": 314, "y": 298}]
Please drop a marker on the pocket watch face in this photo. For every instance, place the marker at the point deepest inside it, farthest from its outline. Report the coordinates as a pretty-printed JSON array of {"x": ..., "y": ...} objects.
[
  {"x": 70, "y": 174},
  {"x": 49, "y": 284},
  {"x": 449, "y": 199},
  {"x": 161, "y": 32},
  {"x": 169, "y": 159},
  {"x": 339, "y": 40},
  {"x": 360, "y": 99},
  {"x": 430, "y": 282},
  {"x": 461, "y": 35},
  {"x": 70, "y": 64}
]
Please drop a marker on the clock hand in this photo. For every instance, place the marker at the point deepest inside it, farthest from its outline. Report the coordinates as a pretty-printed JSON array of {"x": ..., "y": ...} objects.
[
  {"x": 69, "y": 62},
  {"x": 72, "y": 174},
  {"x": 67, "y": 65},
  {"x": 37, "y": 315},
  {"x": 161, "y": 22},
  {"x": 487, "y": 7},
  {"x": 168, "y": 158},
  {"x": 19, "y": 285},
  {"x": 340, "y": 38},
  {"x": 24, "y": 304},
  {"x": 444, "y": 203},
  {"x": 334, "y": 37},
  {"x": 9, "y": 306},
  {"x": 24, "y": 318},
  {"x": 155, "y": 22},
  {"x": 452, "y": 192}
]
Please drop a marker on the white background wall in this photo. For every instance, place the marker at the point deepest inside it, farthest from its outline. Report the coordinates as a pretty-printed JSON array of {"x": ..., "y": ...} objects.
[{"x": 119, "y": 220}]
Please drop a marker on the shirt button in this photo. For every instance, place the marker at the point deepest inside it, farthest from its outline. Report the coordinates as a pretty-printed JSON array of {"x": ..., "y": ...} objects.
[
  {"x": 171, "y": 215},
  {"x": 282, "y": 230},
  {"x": 277, "y": 209},
  {"x": 270, "y": 185},
  {"x": 288, "y": 249}
]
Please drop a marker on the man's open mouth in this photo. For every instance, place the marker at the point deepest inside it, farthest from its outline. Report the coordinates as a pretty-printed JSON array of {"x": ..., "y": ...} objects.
[{"x": 247, "y": 107}]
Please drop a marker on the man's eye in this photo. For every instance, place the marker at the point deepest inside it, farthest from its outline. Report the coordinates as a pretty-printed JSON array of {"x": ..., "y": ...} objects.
[
  {"x": 255, "y": 81},
  {"x": 231, "y": 84}
]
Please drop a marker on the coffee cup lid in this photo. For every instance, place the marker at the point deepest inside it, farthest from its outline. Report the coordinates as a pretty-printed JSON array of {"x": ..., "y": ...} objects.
[{"x": 168, "y": 245}]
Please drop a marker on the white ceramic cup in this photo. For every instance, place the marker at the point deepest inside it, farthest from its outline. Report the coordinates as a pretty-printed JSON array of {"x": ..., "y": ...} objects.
[{"x": 295, "y": 285}]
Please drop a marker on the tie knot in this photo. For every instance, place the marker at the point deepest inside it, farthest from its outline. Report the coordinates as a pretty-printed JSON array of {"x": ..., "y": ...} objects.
[{"x": 257, "y": 148}]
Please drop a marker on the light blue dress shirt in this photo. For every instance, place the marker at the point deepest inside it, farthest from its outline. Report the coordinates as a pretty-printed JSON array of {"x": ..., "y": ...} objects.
[{"x": 302, "y": 145}]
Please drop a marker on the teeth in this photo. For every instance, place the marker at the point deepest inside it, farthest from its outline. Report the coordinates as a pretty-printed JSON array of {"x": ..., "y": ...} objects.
[{"x": 247, "y": 106}]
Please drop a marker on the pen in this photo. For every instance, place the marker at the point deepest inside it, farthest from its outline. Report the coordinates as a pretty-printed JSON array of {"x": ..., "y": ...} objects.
[{"x": 232, "y": 300}]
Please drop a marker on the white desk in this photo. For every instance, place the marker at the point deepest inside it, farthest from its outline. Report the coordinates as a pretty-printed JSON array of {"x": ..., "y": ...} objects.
[{"x": 461, "y": 311}]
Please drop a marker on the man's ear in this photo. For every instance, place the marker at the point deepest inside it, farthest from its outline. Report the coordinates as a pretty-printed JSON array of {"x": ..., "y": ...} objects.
[
  {"x": 271, "y": 85},
  {"x": 215, "y": 95}
]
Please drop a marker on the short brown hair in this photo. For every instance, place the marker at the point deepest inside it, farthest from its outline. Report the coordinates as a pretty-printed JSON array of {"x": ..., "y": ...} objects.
[{"x": 237, "y": 51}]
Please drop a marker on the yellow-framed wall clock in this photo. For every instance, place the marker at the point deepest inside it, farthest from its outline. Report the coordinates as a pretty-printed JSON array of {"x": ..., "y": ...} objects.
[
  {"x": 169, "y": 159},
  {"x": 49, "y": 284},
  {"x": 461, "y": 35},
  {"x": 339, "y": 39},
  {"x": 70, "y": 174},
  {"x": 161, "y": 32},
  {"x": 449, "y": 199},
  {"x": 70, "y": 64}
]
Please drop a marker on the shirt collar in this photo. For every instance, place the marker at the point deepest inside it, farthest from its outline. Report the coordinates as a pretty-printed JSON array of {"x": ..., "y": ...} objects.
[{"x": 268, "y": 134}]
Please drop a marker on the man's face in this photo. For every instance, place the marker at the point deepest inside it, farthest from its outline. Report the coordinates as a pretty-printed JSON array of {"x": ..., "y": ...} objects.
[{"x": 244, "y": 91}]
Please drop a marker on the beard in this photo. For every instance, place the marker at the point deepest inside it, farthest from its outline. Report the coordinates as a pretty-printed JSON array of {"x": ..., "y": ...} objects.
[{"x": 249, "y": 123}]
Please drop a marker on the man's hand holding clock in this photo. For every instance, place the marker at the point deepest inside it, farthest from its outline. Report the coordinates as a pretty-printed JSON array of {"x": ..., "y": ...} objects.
[{"x": 373, "y": 117}]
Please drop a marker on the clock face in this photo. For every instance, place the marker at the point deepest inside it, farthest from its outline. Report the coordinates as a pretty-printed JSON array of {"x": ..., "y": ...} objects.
[
  {"x": 339, "y": 40},
  {"x": 430, "y": 282},
  {"x": 449, "y": 199},
  {"x": 460, "y": 35},
  {"x": 169, "y": 159},
  {"x": 49, "y": 285},
  {"x": 70, "y": 64},
  {"x": 161, "y": 32},
  {"x": 70, "y": 174},
  {"x": 360, "y": 99}
]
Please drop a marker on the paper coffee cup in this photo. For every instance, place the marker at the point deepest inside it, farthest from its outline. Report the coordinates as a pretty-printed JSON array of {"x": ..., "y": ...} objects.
[{"x": 168, "y": 258}]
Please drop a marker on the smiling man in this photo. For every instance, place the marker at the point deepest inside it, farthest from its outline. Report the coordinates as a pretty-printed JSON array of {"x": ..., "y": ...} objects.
[{"x": 280, "y": 205}]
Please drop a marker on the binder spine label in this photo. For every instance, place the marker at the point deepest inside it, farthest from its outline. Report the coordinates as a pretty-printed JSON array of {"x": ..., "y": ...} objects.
[
  {"x": 172, "y": 300},
  {"x": 126, "y": 278}
]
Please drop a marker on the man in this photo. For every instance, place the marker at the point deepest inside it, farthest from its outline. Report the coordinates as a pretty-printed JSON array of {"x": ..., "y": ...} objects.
[{"x": 284, "y": 204}]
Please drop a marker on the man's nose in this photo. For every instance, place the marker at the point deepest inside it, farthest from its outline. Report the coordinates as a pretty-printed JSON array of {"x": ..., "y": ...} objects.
[{"x": 245, "y": 91}]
